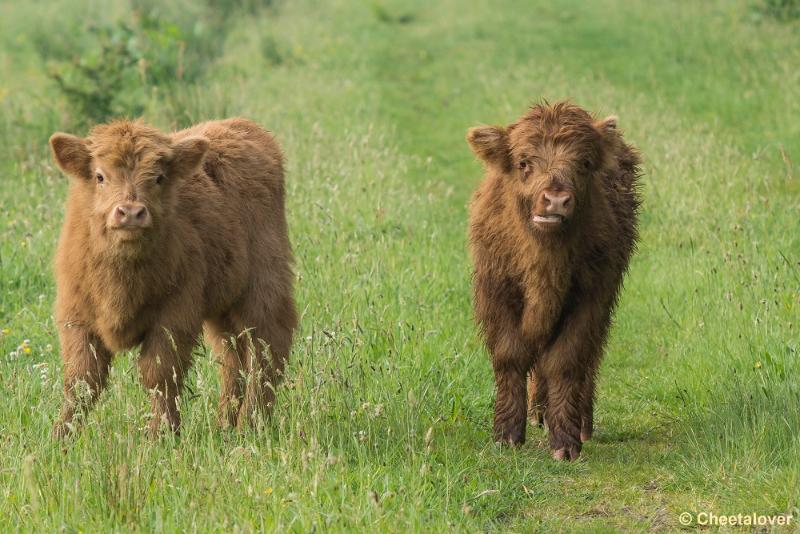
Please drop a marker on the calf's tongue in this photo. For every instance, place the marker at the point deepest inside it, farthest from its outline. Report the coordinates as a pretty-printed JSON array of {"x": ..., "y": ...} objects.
[{"x": 547, "y": 218}]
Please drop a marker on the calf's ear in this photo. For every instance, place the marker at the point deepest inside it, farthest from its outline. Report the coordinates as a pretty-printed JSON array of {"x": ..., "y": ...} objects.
[
  {"x": 187, "y": 155},
  {"x": 609, "y": 138},
  {"x": 490, "y": 143},
  {"x": 71, "y": 154},
  {"x": 607, "y": 126}
]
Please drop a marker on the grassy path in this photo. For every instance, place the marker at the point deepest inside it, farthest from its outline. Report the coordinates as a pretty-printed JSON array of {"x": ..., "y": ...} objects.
[{"x": 437, "y": 80}]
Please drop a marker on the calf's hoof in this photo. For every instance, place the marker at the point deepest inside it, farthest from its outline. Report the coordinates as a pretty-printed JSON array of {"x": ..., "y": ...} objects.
[
  {"x": 587, "y": 429},
  {"x": 228, "y": 416},
  {"x": 567, "y": 453},
  {"x": 160, "y": 426},
  {"x": 61, "y": 430},
  {"x": 565, "y": 445},
  {"x": 512, "y": 436},
  {"x": 537, "y": 419}
]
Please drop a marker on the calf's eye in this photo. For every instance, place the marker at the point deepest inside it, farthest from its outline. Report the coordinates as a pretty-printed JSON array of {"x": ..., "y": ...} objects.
[
  {"x": 100, "y": 178},
  {"x": 523, "y": 165},
  {"x": 159, "y": 178}
]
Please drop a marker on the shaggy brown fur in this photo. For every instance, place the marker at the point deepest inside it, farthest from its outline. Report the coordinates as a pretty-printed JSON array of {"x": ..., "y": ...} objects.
[
  {"x": 166, "y": 234},
  {"x": 552, "y": 229}
]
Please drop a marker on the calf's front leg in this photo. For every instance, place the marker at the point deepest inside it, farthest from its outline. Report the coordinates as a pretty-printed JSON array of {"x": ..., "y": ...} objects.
[
  {"x": 511, "y": 364},
  {"x": 568, "y": 366},
  {"x": 509, "y": 407},
  {"x": 86, "y": 363},
  {"x": 565, "y": 381},
  {"x": 587, "y": 406},
  {"x": 498, "y": 307}
]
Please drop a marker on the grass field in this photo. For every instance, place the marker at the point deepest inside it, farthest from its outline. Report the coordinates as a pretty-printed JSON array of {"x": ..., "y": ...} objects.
[{"x": 384, "y": 421}]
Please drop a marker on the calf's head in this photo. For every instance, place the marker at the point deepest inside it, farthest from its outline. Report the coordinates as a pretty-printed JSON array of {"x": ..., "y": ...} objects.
[
  {"x": 124, "y": 179},
  {"x": 550, "y": 161}
]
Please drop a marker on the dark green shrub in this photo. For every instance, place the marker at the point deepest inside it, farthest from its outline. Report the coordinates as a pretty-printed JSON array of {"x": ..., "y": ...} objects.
[
  {"x": 384, "y": 15},
  {"x": 781, "y": 9},
  {"x": 112, "y": 69},
  {"x": 104, "y": 80},
  {"x": 271, "y": 51}
]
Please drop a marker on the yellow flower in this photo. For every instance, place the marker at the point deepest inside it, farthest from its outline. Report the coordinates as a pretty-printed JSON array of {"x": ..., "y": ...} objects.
[
  {"x": 26, "y": 350},
  {"x": 757, "y": 365},
  {"x": 268, "y": 491}
]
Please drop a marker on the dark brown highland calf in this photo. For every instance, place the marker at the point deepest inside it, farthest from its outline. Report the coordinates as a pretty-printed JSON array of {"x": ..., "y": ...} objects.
[
  {"x": 166, "y": 234},
  {"x": 552, "y": 229}
]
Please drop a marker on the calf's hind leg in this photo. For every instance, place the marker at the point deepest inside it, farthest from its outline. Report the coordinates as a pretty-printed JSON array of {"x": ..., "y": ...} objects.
[
  {"x": 268, "y": 341},
  {"x": 229, "y": 352},
  {"x": 594, "y": 350},
  {"x": 163, "y": 364},
  {"x": 537, "y": 398}
]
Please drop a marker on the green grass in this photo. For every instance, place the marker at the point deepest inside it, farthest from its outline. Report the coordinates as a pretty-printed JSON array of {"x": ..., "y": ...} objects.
[{"x": 384, "y": 421}]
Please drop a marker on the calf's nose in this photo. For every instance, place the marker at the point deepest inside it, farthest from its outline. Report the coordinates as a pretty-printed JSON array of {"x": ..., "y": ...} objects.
[
  {"x": 131, "y": 215},
  {"x": 557, "y": 202}
]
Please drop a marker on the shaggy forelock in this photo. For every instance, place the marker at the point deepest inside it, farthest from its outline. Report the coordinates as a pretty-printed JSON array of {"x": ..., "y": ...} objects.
[
  {"x": 562, "y": 123},
  {"x": 128, "y": 144}
]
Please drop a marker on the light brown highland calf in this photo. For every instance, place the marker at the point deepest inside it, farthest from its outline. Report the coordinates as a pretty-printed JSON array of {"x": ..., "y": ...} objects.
[
  {"x": 552, "y": 229},
  {"x": 163, "y": 235}
]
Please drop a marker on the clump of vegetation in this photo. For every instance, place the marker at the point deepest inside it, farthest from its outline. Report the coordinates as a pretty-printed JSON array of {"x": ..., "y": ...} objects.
[
  {"x": 384, "y": 15},
  {"x": 781, "y": 9},
  {"x": 115, "y": 70},
  {"x": 226, "y": 8},
  {"x": 124, "y": 61},
  {"x": 271, "y": 51},
  {"x": 94, "y": 80}
]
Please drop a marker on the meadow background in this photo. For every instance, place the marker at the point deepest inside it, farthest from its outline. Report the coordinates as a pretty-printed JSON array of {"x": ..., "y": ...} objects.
[{"x": 384, "y": 421}]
